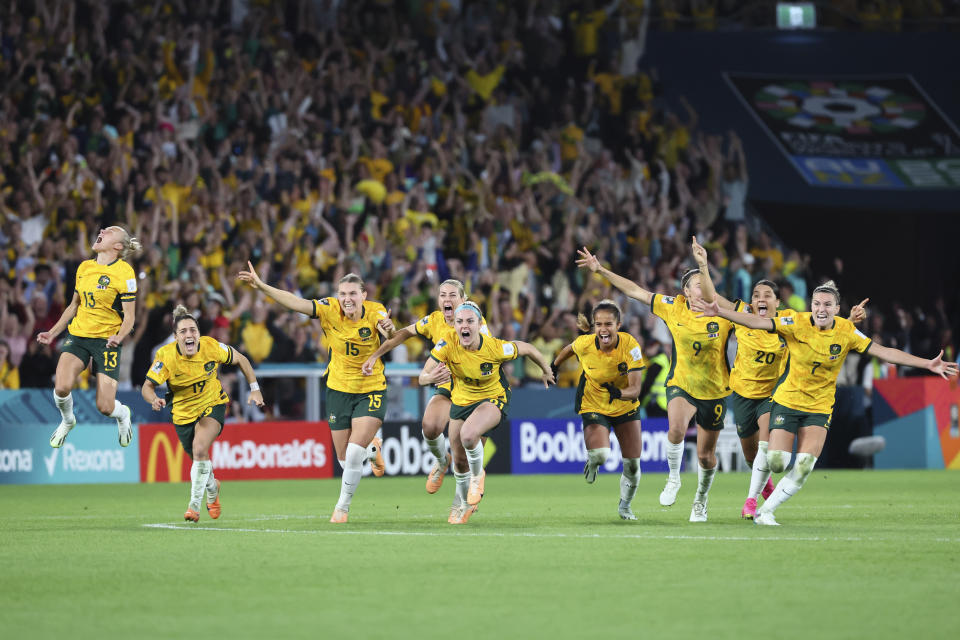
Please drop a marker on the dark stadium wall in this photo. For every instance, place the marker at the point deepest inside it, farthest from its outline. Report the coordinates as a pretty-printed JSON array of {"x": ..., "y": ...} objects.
[{"x": 692, "y": 64}]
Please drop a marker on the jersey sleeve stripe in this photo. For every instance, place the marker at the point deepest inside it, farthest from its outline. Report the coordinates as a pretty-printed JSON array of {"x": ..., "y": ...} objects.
[
  {"x": 153, "y": 380},
  {"x": 229, "y": 355},
  {"x": 435, "y": 358},
  {"x": 637, "y": 369},
  {"x": 867, "y": 348},
  {"x": 316, "y": 311}
]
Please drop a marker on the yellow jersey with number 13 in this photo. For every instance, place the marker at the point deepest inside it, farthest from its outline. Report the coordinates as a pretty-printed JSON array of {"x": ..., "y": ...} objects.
[
  {"x": 101, "y": 289},
  {"x": 350, "y": 344}
]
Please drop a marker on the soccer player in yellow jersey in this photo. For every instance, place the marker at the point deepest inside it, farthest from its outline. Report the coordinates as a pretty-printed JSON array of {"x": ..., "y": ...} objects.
[
  {"x": 435, "y": 327},
  {"x": 818, "y": 343},
  {"x": 98, "y": 319},
  {"x": 480, "y": 395},
  {"x": 607, "y": 396},
  {"x": 699, "y": 374},
  {"x": 356, "y": 404},
  {"x": 198, "y": 402}
]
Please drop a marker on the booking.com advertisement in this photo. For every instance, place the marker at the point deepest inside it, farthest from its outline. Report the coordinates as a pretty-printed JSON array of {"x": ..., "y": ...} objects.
[
  {"x": 552, "y": 445},
  {"x": 91, "y": 454}
]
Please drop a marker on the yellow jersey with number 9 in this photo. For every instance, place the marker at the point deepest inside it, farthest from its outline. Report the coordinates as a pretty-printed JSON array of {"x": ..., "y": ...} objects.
[
  {"x": 698, "y": 364},
  {"x": 761, "y": 358},
  {"x": 350, "y": 344},
  {"x": 816, "y": 357},
  {"x": 101, "y": 289},
  {"x": 193, "y": 380},
  {"x": 476, "y": 375}
]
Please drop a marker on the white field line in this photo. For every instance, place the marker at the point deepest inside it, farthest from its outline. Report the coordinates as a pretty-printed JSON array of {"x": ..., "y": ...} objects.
[{"x": 572, "y": 536}]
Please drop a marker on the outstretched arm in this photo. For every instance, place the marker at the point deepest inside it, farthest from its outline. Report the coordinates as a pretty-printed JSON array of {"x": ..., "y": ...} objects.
[
  {"x": 859, "y": 312},
  {"x": 936, "y": 365},
  {"x": 399, "y": 336},
  {"x": 707, "y": 289},
  {"x": 528, "y": 350},
  {"x": 712, "y": 309},
  {"x": 629, "y": 287},
  {"x": 289, "y": 300}
]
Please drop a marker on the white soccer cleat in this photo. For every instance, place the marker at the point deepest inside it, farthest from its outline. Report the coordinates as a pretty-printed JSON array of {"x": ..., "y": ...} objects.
[
  {"x": 669, "y": 494},
  {"x": 626, "y": 513},
  {"x": 590, "y": 472},
  {"x": 765, "y": 518},
  {"x": 56, "y": 440},
  {"x": 699, "y": 512},
  {"x": 125, "y": 429}
]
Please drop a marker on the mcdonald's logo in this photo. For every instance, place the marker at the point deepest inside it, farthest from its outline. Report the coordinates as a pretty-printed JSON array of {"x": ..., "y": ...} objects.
[{"x": 155, "y": 444}]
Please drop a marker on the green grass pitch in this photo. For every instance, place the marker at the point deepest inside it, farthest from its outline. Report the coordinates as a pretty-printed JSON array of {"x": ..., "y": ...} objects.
[{"x": 859, "y": 555}]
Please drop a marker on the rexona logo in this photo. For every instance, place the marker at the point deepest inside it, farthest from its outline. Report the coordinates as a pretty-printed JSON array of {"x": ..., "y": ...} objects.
[
  {"x": 16, "y": 460},
  {"x": 556, "y": 446},
  {"x": 265, "y": 450},
  {"x": 73, "y": 459}
]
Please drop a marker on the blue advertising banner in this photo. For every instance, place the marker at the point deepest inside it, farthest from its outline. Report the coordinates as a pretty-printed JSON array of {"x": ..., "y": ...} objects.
[
  {"x": 91, "y": 454},
  {"x": 855, "y": 132},
  {"x": 551, "y": 445}
]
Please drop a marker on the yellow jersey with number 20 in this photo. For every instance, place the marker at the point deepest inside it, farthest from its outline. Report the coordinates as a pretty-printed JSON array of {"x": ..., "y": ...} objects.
[{"x": 761, "y": 358}]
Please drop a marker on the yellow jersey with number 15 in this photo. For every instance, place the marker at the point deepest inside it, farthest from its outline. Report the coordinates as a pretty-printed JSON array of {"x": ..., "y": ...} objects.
[
  {"x": 699, "y": 359},
  {"x": 350, "y": 344},
  {"x": 101, "y": 289},
  {"x": 476, "y": 375},
  {"x": 761, "y": 358},
  {"x": 816, "y": 357},
  {"x": 193, "y": 380}
]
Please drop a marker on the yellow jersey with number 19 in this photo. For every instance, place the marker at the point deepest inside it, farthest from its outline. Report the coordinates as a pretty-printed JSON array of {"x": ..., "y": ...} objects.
[
  {"x": 761, "y": 358},
  {"x": 350, "y": 344},
  {"x": 193, "y": 380},
  {"x": 102, "y": 288},
  {"x": 698, "y": 364},
  {"x": 476, "y": 375},
  {"x": 816, "y": 357}
]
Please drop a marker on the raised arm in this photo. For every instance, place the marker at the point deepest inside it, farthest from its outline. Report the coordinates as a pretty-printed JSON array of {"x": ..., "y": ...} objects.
[
  {"x": 389, "y": 345},
  {"x": 289, "y": 300},
  {"x": 528, "y": 350},
  {"x": 707, "y": 290},
  {"x": 859, "y": 312},
  {"x": 255, "y": 397},
  {"x": 712, "y": 309},
  {"x": 936, "y": 365},
  {"x": 628, "y": 287}
]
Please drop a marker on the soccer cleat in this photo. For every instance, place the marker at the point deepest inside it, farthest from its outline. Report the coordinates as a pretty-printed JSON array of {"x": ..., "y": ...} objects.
[
  {"x": 625, "y": 512},
  {"x": 669, "y": 494},
  {"x": 435, "y": 478},
  {"x": 767, "y": 489},
  {"x": 749, "y": 509},
  {"x": 60, "y": 434},
  {"x": 125, "y": 429},
  {"x": 213, "y": 508},
  {"x": 590, "y": 472},
  {"x": 476, "y": 488},
  {"x": 463, "y": 513},
  {"x": 191, "y": 516},
  {"x": 339, "y": 517},
  {"x": 454, "y": 509},
  {"x": 766, "y": 518},
  {"x": 699, "y": 512},
  {"x": 376, "y": 463}
]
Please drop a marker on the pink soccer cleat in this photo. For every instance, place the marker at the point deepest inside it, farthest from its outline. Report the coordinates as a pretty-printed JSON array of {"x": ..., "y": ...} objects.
[{"x": 749, "y": 509}]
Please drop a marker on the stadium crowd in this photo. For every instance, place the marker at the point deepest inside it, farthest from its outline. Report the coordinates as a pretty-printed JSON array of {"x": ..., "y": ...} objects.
[{"x": 481, "y": 141}]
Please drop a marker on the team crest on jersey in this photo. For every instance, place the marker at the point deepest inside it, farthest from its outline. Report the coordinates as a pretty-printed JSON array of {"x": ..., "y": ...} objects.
[
  {"x": 209, "y": 367},
  {"x": 622, "y": 368},
  {"x": 364, "y": 333},
  {"x": 486, "y": 368},
  {"x": 713, "y": 330},
  {"x": 834, "y": 349},
  {"x": 103, "y": 282}
]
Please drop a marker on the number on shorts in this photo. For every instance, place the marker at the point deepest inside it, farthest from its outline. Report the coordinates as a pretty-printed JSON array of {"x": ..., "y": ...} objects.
[
  {"x": 767, "y": 357},
  {"x": 718, "y": 411},
  {"x": 198, "y": 386},
  {"x": 110, "y": 359},
  {"x": 697, "y": 346},
  {"x": 815, "y": 365},
  {"x": 351, "y": 349},
  {"x": 376, "y": 399}
]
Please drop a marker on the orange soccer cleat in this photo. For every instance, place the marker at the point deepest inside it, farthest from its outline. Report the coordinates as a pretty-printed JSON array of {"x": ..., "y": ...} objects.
[
  {"x": 376, "y": 464},
  {"x": 213, "y": 508},
  {"x": 338, "y": 517},
  {"x": 435, "y": 478},
  {"x": 476, "y": 488},
  {"x": 462, "y": 514},
  {"x": 191, "y": 516}
]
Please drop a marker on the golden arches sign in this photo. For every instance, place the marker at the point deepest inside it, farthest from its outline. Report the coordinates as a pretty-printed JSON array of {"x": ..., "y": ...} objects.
[{"x": 174, "y": 455}]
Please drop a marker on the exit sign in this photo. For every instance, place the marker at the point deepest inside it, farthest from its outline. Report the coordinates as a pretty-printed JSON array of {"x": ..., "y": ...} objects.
[{"x": 796, "y": 15}]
